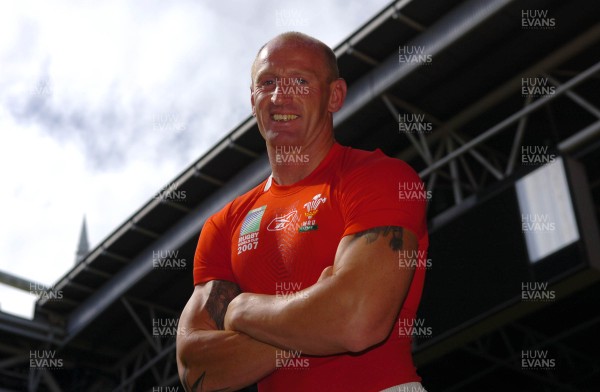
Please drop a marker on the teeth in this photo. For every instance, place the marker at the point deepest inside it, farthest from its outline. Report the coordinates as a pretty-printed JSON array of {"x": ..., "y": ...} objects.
[{"x": 284, "y": 117}]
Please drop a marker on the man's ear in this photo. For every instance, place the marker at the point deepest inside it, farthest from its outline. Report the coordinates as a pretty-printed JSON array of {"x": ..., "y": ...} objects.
[
  {"x": 252, "y": 102},
  {"x": 337, "y": 95}
]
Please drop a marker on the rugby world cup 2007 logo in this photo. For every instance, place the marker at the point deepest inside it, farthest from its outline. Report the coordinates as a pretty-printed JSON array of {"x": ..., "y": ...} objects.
[{"x": 248, "y": 238}]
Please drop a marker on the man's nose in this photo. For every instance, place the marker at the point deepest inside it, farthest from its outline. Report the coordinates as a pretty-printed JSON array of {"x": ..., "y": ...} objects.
[{"x": 278, "y": 97}]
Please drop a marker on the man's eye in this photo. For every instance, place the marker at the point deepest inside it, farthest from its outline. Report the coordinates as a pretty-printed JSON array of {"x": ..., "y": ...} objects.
[
  {"x": 301, "y": 81},
  {"x": 268, "y": 82}
]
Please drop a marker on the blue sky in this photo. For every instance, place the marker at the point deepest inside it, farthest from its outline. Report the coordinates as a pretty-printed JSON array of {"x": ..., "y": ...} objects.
[{"x": 102, "y": 104}]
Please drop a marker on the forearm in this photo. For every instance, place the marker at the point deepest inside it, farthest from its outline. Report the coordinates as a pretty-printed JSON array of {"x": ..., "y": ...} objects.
[
  {"x": 222, "y": 360},
  {"x": 313, "y": 321}
]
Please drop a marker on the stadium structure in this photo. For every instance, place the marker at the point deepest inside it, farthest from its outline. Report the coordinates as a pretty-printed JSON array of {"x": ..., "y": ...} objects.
[{"x": 496, "y": 104}]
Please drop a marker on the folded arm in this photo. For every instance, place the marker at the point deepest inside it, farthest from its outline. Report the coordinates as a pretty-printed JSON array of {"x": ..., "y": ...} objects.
[
  {"x": 210, "y": 359},
  {"x": 352, "y": 307}
]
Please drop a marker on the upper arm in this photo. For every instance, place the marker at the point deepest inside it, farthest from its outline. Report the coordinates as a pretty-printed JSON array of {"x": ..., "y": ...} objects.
[
  {"x": 384, "y": 214},
  {"x": 369, "y": 269}
]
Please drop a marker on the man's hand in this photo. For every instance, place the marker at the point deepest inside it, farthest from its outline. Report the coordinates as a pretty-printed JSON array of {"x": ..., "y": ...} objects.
[{"x": 352, "y": 306}]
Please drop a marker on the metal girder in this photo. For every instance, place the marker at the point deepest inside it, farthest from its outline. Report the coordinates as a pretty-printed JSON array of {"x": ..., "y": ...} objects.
[
  {"x": 51, "y": 381},
  {"x": 437, "y": 38},
  {"x": 487, "y": 102},
  {"x": 423, "y": 149},
  {"x": 521, "y": 117},
  {"x": 517, "y": 140},
  {"x": 17, "y": 359},
  {"x": 582, "y": 137},
  {"x": 576, "y": 97},
  {"x": 533, "y": 340},
  {"x": 148, "y": 355},
  {"x": 243, "y": 150},
  {"x": 512, "y": 119},
  {"x": 389, "y": 12},
  {"x": 508, "y": 365},
  {"x": 362, "y": 56},
  {"x": 139, "y": 370},
  {"x": 154, "y": 344},
  {"x": 18, "y": 283},
  {"x": 454, "y": 179},
  {"x": 32, "y": 329},
  {"x": 545, "y": 340},
  {"x": 589, "y": 133},
  {"x": 480, "y": 158}
]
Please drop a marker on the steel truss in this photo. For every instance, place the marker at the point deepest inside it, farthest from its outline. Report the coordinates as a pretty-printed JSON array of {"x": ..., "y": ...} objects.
[
  {"x": 155, "y": 355},
  {"x": 444, "y": 151},
  {"x": 504, "y": 347}
]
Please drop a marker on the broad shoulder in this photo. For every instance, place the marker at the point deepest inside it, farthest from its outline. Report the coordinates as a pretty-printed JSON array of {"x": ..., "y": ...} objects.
[{"x": 375, "y": 164}]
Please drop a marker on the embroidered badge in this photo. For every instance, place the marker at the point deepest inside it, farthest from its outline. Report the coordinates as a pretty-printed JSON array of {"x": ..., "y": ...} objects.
[{"x": 312, "y": 208}]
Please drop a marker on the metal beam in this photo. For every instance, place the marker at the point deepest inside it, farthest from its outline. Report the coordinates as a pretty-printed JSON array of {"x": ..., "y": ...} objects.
[
  {"x": 32, "y": 329},
  {"x": 371, "y": 26},
  {"x": 437, "y": 38},
  {"x": 578, "y": 99},
  {"x": 506, "y": 363},
  {"x": 517, "y": 141},
  {"x": 581, "y": 138},
  {"x": 147, "y": 365},
  {"x": 50, "y": 381},
  {"x": 140, "y": 325},
  {"x": 9, "y": 362},
  {"x": 547, "y": 341},
  {"x": 480, "y": 158},
  {"x": 20, "y": 283}
]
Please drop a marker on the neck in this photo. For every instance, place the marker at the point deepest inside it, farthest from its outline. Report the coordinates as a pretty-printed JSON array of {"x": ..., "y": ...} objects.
[{"x": 291, "y": 164}]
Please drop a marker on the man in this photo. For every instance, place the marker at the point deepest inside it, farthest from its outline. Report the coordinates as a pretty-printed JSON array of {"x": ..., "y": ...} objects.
[{"x": 301, "y": 283}]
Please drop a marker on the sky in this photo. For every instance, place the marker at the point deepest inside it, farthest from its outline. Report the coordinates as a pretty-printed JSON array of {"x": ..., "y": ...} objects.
[{"x": 102, "y": 104}]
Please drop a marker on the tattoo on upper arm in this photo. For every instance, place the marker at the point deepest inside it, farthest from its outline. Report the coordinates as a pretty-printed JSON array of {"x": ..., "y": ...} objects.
[
  {"x": 372, "y": 234},
  {"x": 221, "y": 294}
]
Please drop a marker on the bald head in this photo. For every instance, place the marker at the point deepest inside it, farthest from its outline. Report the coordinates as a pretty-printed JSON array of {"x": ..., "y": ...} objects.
[{"x": 300, "y": 40}]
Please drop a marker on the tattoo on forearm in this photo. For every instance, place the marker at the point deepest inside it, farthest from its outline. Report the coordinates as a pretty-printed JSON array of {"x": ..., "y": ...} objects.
[
  {"x": 220, "y": 296},
  {"x": 372, "y": 234},
  {"x": 197, "y": 384}
]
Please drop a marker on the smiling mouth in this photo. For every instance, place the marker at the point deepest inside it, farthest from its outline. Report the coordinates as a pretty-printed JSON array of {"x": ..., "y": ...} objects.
[{"x": 284, "y": 117}]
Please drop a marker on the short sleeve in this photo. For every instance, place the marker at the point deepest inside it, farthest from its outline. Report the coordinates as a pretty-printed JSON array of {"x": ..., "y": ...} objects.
[
  {"x": 384, "y": 192},
  {"x": 212, "y": 260}
]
